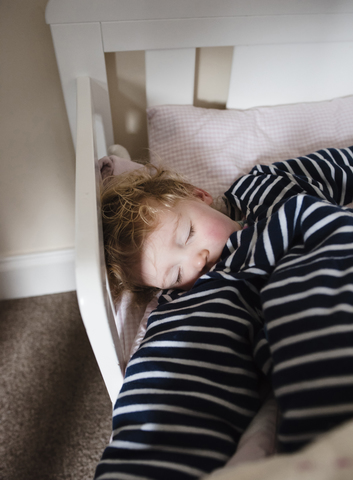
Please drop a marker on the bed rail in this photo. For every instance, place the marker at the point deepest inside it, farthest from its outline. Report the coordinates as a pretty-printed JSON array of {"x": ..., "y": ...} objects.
[{"x": 91, "y": 281}]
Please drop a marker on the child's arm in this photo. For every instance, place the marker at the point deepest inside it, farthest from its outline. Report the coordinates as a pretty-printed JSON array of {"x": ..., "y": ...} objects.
[
  {"x": 191, "y": 388},
  {"x": 326, "y": 174}
]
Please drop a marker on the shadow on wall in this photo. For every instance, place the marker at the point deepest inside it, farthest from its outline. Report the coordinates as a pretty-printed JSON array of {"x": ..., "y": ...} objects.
[
  {"x": 212, "y": 76},
  {"x": 126, "y": 83}
]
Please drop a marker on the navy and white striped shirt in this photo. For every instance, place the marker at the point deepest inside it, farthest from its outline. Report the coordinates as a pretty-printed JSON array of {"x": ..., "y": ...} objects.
[{"x": 278, "y": 304}]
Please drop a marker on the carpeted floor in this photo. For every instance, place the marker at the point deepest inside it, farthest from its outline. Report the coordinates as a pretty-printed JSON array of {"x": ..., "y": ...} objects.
[{"x": 55, "y": 411}]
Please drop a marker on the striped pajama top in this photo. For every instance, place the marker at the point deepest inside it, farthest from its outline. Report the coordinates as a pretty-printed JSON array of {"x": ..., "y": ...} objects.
[{"x": 279, "y": 304}]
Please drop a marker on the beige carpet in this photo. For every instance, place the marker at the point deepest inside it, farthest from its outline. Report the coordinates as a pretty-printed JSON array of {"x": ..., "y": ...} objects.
[{"x": 55, "y": 413}]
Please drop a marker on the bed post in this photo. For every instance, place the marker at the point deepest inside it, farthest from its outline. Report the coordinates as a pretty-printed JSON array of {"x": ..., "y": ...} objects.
[{"x": 79, "y": 52}]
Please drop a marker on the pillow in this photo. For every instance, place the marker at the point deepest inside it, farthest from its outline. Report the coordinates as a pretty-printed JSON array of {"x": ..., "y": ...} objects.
[
  {"x": 212, "y": 148},
  {"x": 128, "y": 315}
]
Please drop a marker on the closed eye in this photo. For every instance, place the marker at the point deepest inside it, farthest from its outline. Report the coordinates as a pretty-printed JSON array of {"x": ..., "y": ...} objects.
[
  {"x": 190, "y": 235},
  {"x": 179, "y": 278},
  {"x": 191, "y": 232}
]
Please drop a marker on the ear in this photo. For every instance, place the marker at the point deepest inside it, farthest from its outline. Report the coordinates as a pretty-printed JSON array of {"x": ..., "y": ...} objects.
[{"x": 203, "y": 195}]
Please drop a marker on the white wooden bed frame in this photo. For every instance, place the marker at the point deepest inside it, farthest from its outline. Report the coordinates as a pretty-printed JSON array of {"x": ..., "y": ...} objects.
[{"x": 276, "y": 42}]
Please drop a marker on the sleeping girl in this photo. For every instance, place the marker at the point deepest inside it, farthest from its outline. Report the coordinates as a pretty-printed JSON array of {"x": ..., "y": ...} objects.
[{"x": 272, "y": 300}]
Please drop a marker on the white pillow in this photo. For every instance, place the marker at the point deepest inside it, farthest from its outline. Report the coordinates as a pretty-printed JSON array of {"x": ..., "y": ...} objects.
[{"x": 214, "y": 147}]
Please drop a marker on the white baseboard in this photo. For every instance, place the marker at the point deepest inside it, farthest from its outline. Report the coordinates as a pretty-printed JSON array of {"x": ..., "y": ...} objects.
[{"x": 37, "y": 274}]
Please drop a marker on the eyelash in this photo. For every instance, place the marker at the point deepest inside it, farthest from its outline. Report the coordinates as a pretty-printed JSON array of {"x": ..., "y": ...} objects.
[
  {"x": 179, "y": 279},
  {"x": 191, "y": 233}
]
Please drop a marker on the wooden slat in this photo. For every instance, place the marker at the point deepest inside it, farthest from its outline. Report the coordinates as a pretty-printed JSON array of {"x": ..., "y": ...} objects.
[
  {"x": 226, "y": 31},
  {"x": 90, "y": 268},
  {"x": 59, "y": 11}
]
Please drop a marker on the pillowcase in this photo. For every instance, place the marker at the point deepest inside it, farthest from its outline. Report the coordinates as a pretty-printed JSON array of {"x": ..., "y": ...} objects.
[
  {"x": 213, "y": 148},
  {"x": 128, "y": 315}
]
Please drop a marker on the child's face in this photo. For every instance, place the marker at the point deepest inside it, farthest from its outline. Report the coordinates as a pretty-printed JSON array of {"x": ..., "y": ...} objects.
[{"x": 187, "y": 243}]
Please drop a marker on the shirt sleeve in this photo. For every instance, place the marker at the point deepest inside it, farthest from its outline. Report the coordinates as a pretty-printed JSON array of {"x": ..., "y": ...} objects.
[
  {"x": 326, "y": 174},
  {"x": 190, "y": 390}
]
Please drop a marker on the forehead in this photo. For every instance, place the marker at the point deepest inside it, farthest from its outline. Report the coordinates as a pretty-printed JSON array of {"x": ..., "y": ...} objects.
[
  {"x": 156, "y": 254},
  {"x": 167, "y": 221}
]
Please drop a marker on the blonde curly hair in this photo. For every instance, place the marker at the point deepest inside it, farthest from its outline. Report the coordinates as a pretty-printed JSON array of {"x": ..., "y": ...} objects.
[{"x": 131, "y": 204}]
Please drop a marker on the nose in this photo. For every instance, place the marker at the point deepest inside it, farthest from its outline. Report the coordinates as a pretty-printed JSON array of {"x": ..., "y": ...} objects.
[{"x": 200, "y": 260}]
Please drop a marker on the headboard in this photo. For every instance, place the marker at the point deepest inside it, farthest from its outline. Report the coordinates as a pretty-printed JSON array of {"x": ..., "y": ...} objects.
[
  {"x": 275, "y": 40},
  {"x": 285, "y": 51}
]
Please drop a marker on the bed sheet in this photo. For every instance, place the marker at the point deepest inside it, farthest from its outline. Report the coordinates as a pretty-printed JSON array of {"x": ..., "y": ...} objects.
[{"x": 330, "y": 457}]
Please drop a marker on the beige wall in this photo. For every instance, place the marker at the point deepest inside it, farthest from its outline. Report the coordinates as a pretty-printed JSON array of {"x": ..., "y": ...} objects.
[{"x": 36, "y": 151}]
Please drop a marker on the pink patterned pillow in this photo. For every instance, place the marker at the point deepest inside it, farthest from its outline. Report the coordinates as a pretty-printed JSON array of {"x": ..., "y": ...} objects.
[{"x": 214, "y": 147}]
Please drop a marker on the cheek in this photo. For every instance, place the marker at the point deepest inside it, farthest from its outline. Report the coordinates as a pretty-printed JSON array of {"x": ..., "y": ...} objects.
[
  {"x": 143, "y": 273},
  {"x": 218, "y": 231}
]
